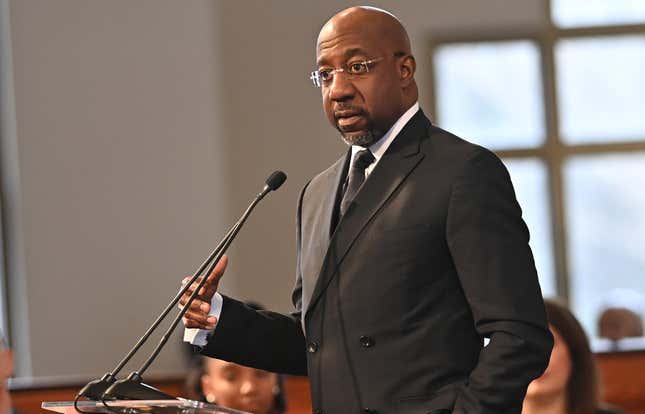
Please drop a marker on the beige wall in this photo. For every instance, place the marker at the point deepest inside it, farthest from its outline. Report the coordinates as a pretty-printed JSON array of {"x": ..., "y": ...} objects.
[
  {"x": 143, "y": 129},
  {"x": 123, "y": 167}
]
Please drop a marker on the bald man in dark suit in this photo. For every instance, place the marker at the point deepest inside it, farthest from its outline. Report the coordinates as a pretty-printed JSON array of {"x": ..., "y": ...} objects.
[{"x": 411, "y": 251}]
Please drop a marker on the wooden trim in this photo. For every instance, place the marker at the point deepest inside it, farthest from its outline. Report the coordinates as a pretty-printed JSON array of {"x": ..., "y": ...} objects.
[
  {"x": 620, "y": 372},
  {"x": 622, "y": 380}
]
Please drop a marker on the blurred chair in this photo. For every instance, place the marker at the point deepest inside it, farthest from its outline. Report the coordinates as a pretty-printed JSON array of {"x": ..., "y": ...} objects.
[{"x": 622, "y": 315}]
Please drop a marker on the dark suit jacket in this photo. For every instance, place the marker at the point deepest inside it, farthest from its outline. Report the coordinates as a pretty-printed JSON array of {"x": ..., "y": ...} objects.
[{"x": 393, "y": 305}]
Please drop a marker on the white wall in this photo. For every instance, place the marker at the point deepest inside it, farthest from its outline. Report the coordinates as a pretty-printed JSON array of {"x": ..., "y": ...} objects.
[
  {"x": 144, "y": 128},
  {"x": 123, "y": 168}
]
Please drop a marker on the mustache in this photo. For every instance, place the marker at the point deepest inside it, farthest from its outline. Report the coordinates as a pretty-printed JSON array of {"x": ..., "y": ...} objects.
[{"x": 341, "y": 111}]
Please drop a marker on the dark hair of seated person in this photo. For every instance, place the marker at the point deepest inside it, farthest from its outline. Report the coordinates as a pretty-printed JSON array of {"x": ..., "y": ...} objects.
[{"x": 572, "y": 368}]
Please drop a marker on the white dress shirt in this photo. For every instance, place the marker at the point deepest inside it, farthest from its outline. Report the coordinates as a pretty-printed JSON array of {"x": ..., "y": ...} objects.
[
  {"x": 199, "y": 337},
  {"x": 379, "y": 147}
]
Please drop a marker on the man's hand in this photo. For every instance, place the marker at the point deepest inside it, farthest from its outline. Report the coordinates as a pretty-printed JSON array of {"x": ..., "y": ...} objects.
[{"x": 197, "y": 314}]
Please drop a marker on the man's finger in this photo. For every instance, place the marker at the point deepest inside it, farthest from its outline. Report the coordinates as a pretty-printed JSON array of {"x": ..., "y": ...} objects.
[
  {"x": 218, "y": 271},
  {"x": 191, "y": 289},
  {"x": 200, "y": 317},
  {"x": 189, "y": 323},
  {"x": 197, "y": 320},
  {"x": 195, "y": 304}
]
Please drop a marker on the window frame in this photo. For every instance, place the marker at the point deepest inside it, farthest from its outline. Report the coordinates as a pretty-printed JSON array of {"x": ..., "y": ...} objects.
[{"x": 554, "y": 152}]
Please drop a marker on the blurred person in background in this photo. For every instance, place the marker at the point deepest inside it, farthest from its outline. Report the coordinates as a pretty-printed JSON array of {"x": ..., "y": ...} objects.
[
  {"x": 242, "y": 388},
  {"x": 235, "y": 386},
  {"x": 570, "y": 384}
]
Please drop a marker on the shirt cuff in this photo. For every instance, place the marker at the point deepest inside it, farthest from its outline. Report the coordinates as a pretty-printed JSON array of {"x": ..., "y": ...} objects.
[{"x": 199, "y": 337}]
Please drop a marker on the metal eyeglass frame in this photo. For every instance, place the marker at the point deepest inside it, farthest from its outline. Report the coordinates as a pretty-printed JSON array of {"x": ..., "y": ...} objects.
[{"x": 364, "y": 68}]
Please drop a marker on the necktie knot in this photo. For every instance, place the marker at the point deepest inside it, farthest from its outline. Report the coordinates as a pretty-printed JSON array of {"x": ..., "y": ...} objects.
[{"x": 363, "y": 159}]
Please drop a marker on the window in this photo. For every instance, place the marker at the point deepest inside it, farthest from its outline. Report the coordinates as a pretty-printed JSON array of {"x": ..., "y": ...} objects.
[
  {"x": 495, "y": 98},
  {"x": 530, "y": 181},
  {"x": 563, "y": 108},
  {"x": 581, "y": 13},
  {"x": 606, "y": 227},
  {"x": 600, "y": 86}
]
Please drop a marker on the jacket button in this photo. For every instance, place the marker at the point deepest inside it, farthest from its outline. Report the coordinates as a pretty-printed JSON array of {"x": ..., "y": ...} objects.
[
  {"x": 366, "y": 341},
  {"x": 312, "y": 347}
]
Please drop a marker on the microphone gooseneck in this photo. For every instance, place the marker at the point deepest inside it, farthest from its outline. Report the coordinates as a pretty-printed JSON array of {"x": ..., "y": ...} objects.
[
  {"x": 133, "y": 387},
  {"x": 95, "y": 389}
]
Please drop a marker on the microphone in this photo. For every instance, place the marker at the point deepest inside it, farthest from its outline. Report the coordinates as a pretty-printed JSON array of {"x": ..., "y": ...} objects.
[
  {"x": 133, "y": 387},
  {"x": 273, "y": 182}
]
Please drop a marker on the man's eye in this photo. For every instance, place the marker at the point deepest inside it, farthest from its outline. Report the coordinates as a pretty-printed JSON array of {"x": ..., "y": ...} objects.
[
  {"x": 357, "y": 68},
  {"x": 325, "y": 74}
]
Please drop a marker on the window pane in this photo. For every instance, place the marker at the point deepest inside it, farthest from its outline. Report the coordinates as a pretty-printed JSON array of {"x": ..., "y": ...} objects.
[
  {"x": 600, "y": 84},
  {"x": 576, "y": 13},
  {"x": 490, "y": 93},
  {"x": 606, "y": 229},
  {"x": 531, "y": 187}
]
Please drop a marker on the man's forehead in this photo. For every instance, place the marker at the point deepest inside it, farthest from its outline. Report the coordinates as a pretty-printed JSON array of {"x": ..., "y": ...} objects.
[
  {"x": 346, "y": 45},
  {"x": 368, "y": 28}
]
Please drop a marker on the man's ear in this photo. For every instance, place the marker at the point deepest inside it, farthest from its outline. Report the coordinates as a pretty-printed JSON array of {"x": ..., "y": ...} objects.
[{"x": 407, "y": 67}]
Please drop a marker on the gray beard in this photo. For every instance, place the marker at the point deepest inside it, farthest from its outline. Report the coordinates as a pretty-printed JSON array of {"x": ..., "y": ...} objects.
[{"x": 361, "y": 140}]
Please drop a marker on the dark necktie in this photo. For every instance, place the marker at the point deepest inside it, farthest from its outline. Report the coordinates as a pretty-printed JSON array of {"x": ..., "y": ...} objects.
[{"x": 362, "y": 160}]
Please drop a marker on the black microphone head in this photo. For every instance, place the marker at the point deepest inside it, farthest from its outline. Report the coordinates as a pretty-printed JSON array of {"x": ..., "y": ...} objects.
[{"x": 275, "y": 180}]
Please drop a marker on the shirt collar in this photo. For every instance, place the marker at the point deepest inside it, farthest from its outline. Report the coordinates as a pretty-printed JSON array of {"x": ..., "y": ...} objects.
[{"x": 379, "y": 147}]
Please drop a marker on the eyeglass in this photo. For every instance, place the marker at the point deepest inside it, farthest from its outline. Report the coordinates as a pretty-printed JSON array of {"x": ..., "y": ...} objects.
[{"x": 325, "y": 76}]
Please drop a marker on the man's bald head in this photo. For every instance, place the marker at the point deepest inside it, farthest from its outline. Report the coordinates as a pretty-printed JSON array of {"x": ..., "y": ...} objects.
[
  {"x": 373, "y": 22},
  {"x": 367, "y": 67}
]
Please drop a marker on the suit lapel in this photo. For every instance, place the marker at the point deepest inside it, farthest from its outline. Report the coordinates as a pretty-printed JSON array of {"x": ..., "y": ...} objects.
[
  {"x": 395, "y": 165},
  {"x": 317, "y": 223}
]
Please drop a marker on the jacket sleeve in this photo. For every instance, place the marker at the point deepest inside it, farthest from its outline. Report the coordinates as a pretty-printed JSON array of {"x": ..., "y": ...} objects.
[
  {"x": 488, "y": 241},
  {"x": 261, "y": 339}
]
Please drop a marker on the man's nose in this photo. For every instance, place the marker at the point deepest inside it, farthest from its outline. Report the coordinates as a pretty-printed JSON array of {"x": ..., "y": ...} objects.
[{"x": 341, "y": 87}]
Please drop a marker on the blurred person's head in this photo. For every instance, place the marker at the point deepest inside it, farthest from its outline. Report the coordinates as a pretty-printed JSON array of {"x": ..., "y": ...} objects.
[
  {"x": 570, "y": 380},
  {"x": 235, "y": 386},
  {"x": 242, "y": 388}
]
